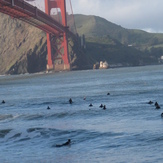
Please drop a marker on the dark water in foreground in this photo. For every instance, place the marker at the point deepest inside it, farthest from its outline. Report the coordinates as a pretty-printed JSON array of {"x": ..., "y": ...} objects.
[{"x": 128, "y": 131}]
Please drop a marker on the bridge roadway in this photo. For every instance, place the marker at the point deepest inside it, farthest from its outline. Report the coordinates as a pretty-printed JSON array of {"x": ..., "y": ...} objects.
[{"x": 26, "y": 12}]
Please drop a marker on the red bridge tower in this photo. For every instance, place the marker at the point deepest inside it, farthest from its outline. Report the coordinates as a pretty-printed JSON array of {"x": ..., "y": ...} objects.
[{"x": 63, "y": 49}]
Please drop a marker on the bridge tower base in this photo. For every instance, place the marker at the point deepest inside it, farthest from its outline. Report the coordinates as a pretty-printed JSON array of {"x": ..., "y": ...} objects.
[{"x": 62, "y": 50}]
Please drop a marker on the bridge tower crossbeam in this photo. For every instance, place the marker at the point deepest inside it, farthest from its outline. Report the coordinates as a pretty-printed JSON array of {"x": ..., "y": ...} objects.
[{"x": 63, "y": 49}]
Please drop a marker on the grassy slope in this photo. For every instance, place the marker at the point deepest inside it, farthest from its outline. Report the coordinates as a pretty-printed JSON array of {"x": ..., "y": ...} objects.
[
  {"x": 93, "y": 26},
  {"x": 146, "y": 47}
]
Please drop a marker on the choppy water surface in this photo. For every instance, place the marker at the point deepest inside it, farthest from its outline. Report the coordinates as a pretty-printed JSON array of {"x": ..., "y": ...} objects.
[{"x": 129, "y": 130}]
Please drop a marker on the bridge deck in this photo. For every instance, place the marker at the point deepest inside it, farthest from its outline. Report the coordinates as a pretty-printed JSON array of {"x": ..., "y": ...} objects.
[{"x": 28, "y": 13}]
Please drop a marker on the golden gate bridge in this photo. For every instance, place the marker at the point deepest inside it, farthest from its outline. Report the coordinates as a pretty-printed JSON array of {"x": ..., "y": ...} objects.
[{"x": 50, "y": 16}]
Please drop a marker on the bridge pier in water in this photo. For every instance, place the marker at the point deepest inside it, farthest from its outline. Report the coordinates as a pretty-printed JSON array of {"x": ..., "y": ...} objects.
[{"x": 62, "y": 49}]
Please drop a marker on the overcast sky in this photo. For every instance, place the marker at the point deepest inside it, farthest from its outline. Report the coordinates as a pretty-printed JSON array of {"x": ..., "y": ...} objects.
[{"x": 132, "y": 14}]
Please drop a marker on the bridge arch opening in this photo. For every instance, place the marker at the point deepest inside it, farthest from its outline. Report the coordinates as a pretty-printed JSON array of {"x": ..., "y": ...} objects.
[{"x": 56, "y": 14}]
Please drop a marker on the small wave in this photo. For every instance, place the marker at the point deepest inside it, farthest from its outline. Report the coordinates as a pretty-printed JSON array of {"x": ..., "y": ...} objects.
[
  {"x": 3, "y": 117},
  {"x": 46, "y": 116},
  {"x": 58, "y": 115},
  {"x": 24, "y": 139},
  {"x": 33, "y": 117},
  {"x": 33, "y": 129},
  {"x": 4, "y": 132},
  {"x": 16, "y": 136},
  {"x": 80, "y": 113},
  {"x": 44, "y": 103},
  {"x": 56, "y": 136},
  {"x": 155, "y": 139}
]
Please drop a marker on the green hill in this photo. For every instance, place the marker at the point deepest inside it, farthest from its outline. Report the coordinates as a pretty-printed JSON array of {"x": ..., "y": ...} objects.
[
  {"x": 93, "y": 26},
  {"x": 126, "y": 46}
]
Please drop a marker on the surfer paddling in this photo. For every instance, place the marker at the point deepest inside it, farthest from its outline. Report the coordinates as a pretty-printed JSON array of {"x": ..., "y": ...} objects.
[{"x": 64, "y": 144}]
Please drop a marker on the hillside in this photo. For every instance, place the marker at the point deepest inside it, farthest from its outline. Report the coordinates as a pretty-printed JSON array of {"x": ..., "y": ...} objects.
[
  {"x": 93, "y": 26},
  {"x": 18, "y": 45},
  {"x": 23, "y": 47},
  {"x": 122, "y": 44}
]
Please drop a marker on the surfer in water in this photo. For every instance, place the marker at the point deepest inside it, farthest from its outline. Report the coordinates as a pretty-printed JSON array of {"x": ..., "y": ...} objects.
[
  {"x": 64, "y": 144},
  {"x": 3, "y": 102},
  {"x": 150, "y": 102},
  {"x": 104, "y": 107},
  {"x": 90, "y": 105},
  {"x": 157, "y": 105},
  {"x": 70, "y": 101},
  {"x": 48, "y": 108},
  {"x": 162, "y": 115}
]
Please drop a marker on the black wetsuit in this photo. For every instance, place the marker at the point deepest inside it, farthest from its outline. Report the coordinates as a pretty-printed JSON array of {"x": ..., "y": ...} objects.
[{"x": 64, "y": 144}]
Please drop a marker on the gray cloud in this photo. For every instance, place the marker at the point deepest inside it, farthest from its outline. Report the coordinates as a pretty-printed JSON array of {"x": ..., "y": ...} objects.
[{"x": 135, "y": 14}]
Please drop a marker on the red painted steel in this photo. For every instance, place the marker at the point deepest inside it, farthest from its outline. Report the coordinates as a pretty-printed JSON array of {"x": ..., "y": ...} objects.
[{"x": 50, "y": 4}]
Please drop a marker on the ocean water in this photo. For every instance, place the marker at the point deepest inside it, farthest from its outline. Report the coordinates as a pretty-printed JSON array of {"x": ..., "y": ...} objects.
[{"x": 128, "y": 131}]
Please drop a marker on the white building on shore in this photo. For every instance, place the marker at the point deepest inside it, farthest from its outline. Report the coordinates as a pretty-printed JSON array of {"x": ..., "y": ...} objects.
[{"x": 103, "y": 65}]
